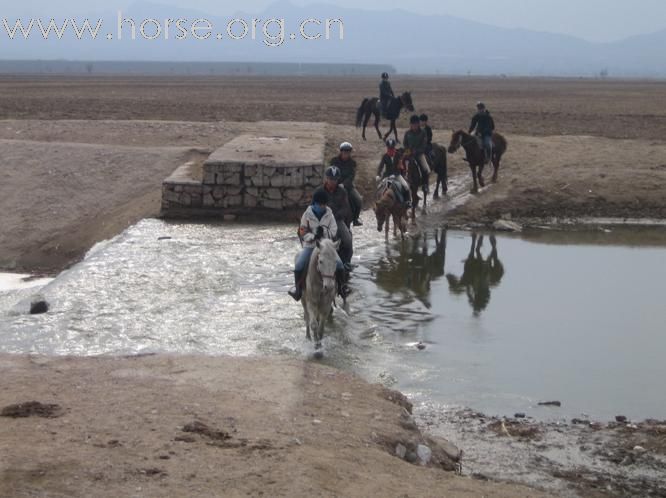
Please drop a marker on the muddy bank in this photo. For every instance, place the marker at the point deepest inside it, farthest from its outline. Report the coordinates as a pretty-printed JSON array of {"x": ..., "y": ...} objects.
[
  {"x": 205, "y": 426},
  {"x": 575, "y": 457}
]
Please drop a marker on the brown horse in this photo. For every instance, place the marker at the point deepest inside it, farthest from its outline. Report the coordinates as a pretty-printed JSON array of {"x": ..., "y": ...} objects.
[
  {"x": 439, "y": 165},
  {"x": 416, "y": 181},
  {"x": 475, "y": 156},
  {"x": 387, "y": 206},
  {"x": 370, "y": 106}
]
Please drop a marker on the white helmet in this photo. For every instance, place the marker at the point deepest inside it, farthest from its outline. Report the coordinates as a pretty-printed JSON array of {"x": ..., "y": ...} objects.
[{"x": 346, "y": 146}]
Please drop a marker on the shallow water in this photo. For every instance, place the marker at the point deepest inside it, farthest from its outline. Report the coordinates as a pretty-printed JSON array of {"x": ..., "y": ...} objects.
[{"x": 527, "y": 322}]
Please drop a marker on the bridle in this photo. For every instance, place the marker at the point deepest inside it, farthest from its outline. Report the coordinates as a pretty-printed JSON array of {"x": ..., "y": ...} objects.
[
  {"x": 464, "y": 143},
  {"x": 323, "y": 275}
]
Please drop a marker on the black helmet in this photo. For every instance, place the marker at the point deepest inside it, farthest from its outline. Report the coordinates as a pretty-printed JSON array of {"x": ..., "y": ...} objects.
[
  {"x": 414, "y": 120},
  {"x": 332, "y": 172},
  {"x": 320, "y": 197},
  {"x": 480, "y": 105},
  {"x": 385, "y": 76},
  {"x": 391, "y": 143},
  {"x": 423, "y": 117}
]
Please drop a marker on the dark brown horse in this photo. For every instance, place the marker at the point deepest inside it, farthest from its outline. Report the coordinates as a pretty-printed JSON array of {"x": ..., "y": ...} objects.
[
  {"x": 479, "y": 276},
  {"x": 439, "y": 166},
  {"x": 387, "y": 206},
  {"x": 417, "y": 180},
  {"x": 370, "y": 106},
  {"x": 475, "y": 156}
]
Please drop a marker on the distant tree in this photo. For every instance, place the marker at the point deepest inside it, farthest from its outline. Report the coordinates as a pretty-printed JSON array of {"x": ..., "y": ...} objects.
[{"x": 603, "y": 74}]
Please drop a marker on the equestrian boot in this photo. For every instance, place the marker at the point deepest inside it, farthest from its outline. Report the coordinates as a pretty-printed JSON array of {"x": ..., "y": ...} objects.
[
  {"x": 297, "y": 290},
  {"x": 343, "y": 288}
]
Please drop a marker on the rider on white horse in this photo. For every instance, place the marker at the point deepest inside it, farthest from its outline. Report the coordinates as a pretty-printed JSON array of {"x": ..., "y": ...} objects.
[{"x": 318, "y": 220}]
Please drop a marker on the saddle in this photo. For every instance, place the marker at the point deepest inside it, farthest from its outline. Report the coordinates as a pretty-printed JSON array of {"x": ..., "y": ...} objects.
[{"x": 394, "y": 185}]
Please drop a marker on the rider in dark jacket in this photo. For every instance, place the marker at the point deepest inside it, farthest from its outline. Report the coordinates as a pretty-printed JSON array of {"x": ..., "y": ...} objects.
[
  {"x": 347, "y": 167},
  {"x": 385, "y": 93},
  {"x": 484, "y": 124},
  {"x": 338, "y": 201},
  {"x": 428, "y": 130},
  {"x": 416, "y": 141},
  {"x": 391, "y": 167}
]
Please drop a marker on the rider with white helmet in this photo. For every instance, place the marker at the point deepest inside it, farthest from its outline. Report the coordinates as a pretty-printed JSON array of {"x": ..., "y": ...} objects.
[{"x": 347, "y": 167}]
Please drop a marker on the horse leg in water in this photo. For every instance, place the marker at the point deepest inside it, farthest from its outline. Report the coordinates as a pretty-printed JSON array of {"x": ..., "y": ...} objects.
[
  {"x": 482, "y": 183},
  {"x": 314, "y": 326},
  {"x": 496, "y": 165},
  {"x": 307, "y": 320},
  {"x": 475, "y": 187},
  {"x": 425, "y": 197}
]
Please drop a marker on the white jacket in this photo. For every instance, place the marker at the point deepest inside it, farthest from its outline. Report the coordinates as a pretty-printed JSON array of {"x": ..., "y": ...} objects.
[{"x": 310, "y": 223}]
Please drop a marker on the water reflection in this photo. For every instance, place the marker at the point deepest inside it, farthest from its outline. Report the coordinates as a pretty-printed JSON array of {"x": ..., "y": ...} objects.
[
  {"x": 479, "y": 276},
  {"x": 415, "y": 265}
]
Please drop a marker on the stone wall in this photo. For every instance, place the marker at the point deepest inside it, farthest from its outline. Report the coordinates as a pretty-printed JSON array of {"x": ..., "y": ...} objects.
[{"x": 276, "y": 173}]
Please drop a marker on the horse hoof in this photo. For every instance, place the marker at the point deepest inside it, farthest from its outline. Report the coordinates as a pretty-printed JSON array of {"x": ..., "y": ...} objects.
[
  {"x": 436, "y": 196},
  {"x": 319, "y": 355}
]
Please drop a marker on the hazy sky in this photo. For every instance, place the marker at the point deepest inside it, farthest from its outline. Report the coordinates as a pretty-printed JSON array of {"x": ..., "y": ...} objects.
[{"x": 596, "y": 20}]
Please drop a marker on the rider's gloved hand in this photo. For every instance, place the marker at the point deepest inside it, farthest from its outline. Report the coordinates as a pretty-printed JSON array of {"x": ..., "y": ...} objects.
[
  {"x": 308, "y": 237},
  {"x": 378, "y": 179}
]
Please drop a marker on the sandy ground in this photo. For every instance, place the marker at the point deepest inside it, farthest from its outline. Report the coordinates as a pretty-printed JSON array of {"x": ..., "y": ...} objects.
[
  {"x": 528, "y": 106},
  {"x": 192, "y": 426}
]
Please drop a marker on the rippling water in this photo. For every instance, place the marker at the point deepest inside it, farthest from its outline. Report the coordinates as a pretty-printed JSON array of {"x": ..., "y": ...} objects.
[{"x": 506, "y": 322}]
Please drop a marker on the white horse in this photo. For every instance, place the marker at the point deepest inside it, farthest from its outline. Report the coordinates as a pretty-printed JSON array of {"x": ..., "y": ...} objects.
[{"x": 320, "y": 290}]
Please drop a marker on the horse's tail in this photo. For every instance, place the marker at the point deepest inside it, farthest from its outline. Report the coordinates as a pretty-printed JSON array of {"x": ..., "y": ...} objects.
[{"x": 360, "y": 112}]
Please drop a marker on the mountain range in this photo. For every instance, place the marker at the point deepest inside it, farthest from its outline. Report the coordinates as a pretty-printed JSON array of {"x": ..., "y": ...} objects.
[{"x": 410, "y": 42}]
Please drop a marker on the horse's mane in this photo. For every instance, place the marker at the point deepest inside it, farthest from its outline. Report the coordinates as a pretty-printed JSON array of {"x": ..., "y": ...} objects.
[{"x": 386, "y": 198}]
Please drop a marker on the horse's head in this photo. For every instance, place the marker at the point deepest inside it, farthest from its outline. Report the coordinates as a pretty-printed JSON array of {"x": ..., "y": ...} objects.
[
  {"x": 382, "y": 207},
  {"x": 381, "y": 215},
  {"x": 456, "y": 141},
  {"x": 327, "y": 259},
  {"x": 407, "y": 101}
]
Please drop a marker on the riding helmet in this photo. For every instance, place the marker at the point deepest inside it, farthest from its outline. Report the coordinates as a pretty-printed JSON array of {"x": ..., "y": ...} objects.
[
  {"x": 480, "y": 105},
  {"x": 346, "y": 146},
  {"x": 385, "y": 76},
  {"x": 424, "y": 117},
  {"x": 414, "y": 120},
  {"x": 320, "y": 197},
  {"x": 332, "y": 172},
  {"x": 391, "y": 143}
]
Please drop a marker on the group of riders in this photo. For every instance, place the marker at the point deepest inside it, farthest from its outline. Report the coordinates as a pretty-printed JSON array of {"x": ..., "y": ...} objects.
[{"x": 336, "y": 205}]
